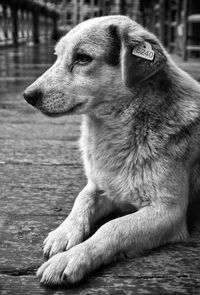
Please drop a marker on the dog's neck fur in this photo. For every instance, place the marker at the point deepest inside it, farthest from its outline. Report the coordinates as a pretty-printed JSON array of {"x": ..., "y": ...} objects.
[{"x": 137, "y": 127}]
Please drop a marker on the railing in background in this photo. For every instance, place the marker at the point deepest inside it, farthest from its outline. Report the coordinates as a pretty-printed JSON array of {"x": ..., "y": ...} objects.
[
  {"x": 26, "y": 21},
  {"x": 176, "y": 23}
]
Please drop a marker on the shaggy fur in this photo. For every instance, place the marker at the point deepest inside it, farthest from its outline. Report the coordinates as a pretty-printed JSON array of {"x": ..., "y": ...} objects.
[{"x": 139, "y": 141}]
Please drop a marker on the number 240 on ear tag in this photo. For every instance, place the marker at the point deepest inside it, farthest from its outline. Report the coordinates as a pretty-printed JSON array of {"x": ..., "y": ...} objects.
[{"x": 144, "y": 51}]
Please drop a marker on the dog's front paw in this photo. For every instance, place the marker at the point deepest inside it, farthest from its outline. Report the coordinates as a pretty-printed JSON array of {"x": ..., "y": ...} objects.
[
  {"x": 70, "y": 233},
  {"x": 66, "y": 267}
]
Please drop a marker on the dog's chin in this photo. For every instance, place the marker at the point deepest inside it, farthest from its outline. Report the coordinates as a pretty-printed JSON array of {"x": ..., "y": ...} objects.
[{"x": 77, "y": 109}]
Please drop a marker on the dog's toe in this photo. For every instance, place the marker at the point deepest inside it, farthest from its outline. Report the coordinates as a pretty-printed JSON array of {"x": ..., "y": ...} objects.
[
  {"x": 42, "y": 268},
  {"x": 46, "y": 250}
]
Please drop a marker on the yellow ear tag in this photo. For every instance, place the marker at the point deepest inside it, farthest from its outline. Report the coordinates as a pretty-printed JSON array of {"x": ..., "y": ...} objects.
[{"x": 144, "y": 51}]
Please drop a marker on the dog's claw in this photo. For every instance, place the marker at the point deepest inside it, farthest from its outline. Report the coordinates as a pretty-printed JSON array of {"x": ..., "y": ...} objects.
[{"x": 44, "y": 242}]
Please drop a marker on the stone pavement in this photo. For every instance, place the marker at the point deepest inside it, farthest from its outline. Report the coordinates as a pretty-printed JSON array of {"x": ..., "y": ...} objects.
[{"x": 40, "y": 176}]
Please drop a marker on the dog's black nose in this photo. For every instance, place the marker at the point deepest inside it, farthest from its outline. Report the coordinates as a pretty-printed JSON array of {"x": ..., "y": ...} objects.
[{"x": 32, "y": 96}]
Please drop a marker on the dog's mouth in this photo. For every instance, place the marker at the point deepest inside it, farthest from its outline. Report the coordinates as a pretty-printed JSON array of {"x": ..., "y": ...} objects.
[
  {"x": 74, "y": 109},
  {"x": 79, "y": 106}
]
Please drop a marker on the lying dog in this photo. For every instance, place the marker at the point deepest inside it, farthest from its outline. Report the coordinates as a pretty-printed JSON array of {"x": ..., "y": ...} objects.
[{"x": 140, "y": 143}]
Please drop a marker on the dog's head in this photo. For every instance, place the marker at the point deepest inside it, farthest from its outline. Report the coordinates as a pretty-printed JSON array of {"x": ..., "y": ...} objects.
[{"x": 101, "y": 60}]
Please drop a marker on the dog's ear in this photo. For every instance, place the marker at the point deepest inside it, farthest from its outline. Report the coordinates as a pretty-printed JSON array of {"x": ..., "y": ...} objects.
[{"x": 141, "y": 56}]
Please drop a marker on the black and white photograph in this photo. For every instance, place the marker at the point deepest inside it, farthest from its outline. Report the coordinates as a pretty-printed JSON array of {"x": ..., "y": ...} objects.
[{"x": 99, "y": 147}]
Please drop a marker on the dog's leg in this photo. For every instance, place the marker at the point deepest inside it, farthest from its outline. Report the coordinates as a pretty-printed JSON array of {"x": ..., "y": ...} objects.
[
  {"x": 89, "y": 206},
  {"x": 147, "y": 228}
]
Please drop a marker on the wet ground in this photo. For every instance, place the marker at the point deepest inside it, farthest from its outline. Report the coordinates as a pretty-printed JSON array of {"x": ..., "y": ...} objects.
[{"x": 41, "y": 174}]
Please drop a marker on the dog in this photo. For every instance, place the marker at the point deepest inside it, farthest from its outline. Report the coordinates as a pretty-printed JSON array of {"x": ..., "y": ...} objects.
[{"x": 140, "y": 138}]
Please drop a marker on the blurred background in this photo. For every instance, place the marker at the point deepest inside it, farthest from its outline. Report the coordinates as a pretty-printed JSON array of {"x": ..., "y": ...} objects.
[{"x": 175, "y": 22}]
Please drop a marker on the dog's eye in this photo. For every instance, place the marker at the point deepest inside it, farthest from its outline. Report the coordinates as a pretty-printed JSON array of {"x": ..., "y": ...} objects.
[{"x": 82, "y": 58}]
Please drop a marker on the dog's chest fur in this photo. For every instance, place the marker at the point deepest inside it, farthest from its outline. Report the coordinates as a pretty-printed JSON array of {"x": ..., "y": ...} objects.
[{"x": 118, "y": 160}]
